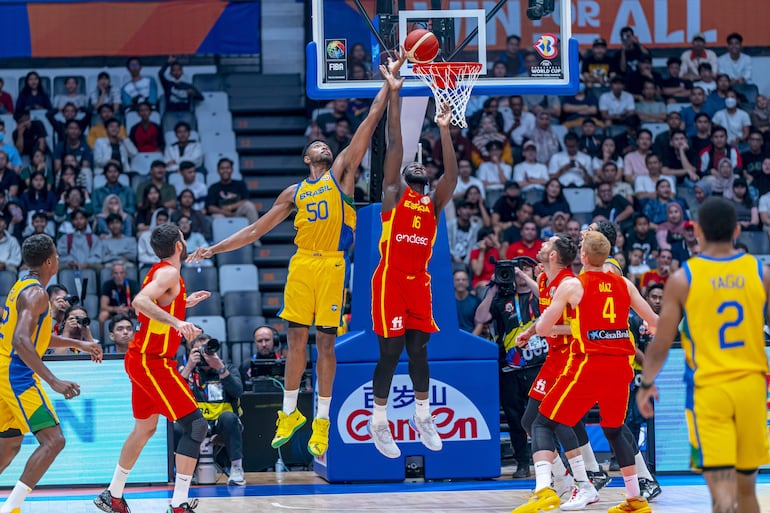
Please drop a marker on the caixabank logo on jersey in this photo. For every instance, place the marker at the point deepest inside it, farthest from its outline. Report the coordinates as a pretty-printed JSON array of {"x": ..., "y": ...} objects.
[
  {"x": 547, "y": 47},
  {"x": 456, "y": 417}
]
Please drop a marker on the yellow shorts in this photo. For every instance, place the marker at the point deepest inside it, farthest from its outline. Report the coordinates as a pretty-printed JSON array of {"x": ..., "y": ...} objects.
[
  {"x": 24, "y": 405},
  {"x": 728, "y": 424},
  {"x": 315, "y": 288}
]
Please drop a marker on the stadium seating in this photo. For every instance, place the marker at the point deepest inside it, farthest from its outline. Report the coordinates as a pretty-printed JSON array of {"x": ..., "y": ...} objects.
[
  {"x": 238, "y": 277},
  {"x": 243, "y": 302},
  {"x": 212, "y": 325}
]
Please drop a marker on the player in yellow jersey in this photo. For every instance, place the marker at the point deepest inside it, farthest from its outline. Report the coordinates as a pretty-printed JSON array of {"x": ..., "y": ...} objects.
[
  {"x": 720, "y": 296},
  {"x": 25, "y": 335},
  {"x": 325, "y": 221}
]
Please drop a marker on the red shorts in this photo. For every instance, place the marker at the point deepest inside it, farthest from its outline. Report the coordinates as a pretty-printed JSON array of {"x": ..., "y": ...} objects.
[
  {"x": 157, "y": 387},
  {"x": 401, "y": 302},
  {"x": 554, "y": 365},
  {"x": 591, "y": 379}
]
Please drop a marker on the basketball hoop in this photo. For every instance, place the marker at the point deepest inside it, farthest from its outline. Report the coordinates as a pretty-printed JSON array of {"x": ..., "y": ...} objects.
[{"x": 451, "y": 82}]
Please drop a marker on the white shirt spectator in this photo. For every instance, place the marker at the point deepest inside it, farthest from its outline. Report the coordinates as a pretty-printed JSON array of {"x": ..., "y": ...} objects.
[
  {"x": 646, "y": 184},
  {"x": 573, "y": 176},
  {"x": 79, "y": 100},
  {"x": 708, "y": 87},
  {"x": 193, "y": 152},
  {"x": 103, "y": 153},
  {"x": 617, "y": 106},
  {"x": 527, "y": 124},
  {"x": 147, "y": 255},
  {"x": 10, "y": 252},
  {"x": 461, "y": 186},
  {"x": 734, "y": 122},
  {"x": 735, "y": 69},
  {"x": 690, "y": 64},
  {"x": 199, "y": 190},
  {"x": 764, "y": 208},
  {"x": 597, "y": 164},
  {"x": 488, "y": 172},
  {"x": 524, "y": 171}
]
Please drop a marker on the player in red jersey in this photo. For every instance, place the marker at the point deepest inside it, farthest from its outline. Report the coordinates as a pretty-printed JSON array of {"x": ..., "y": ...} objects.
[
  {"x": 156, "y": 386},
  {"x": 401, "y": 295}
]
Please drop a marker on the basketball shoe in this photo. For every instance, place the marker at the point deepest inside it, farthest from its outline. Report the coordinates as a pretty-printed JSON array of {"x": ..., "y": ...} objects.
[
  {"x": 383, "y": 440},
  {"x": 106, "y": 502},
  {"x": 286, "y": 426},
  {"x": 428, "y": 434},
  {"x": 319, "y": 440},
  {"x": 539, "y": 8},
  {"x": 650, "y": 488},
  {"x": 185, "y": 507},
  {"x": 632, "y": 505},
  {"x": 564, "y": 484},
  {"x": 542, "y": 500},
  {"x": 582, "y": 495},
  {"x": 236, "y": 477},
  {"x": 599, "y": 479}
]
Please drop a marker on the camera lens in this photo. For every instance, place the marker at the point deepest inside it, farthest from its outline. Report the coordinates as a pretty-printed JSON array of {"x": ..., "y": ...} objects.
[
  {"x": 83, "y": 321},
  {"x": 212, "y": 346}
]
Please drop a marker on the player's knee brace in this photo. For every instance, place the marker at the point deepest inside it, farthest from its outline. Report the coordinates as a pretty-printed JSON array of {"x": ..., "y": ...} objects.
[
  {"x": 624, "y": 451},
  {"x": 630, "y": 438},
  {"x": 580, "y": 433},
  {"x": 194, "y": 429},
  {"x": 542, "y": 434},
  {"x": 417, "y": 349},
  {"x": 390, "y": 352},
  {"x": 529, "y": 415}
]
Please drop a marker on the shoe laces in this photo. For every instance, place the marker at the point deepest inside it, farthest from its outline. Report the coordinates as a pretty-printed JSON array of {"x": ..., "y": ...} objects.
[{"x": 322, "y": 427}]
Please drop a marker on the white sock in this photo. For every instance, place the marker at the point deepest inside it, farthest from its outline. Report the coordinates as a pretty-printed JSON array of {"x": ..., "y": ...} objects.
[
  {"x": 422, "y": 408},
  {"x": 380, "y": 414},
  {"x": 236, "y": 463},
  {"x": 542, "y": 475},
  {"x": 632, "y": 485},
  {"x": 18, "y": 494},
  {"x": 290, "y": 401},
  {"x": 181, "y": 490},
  {"x": 558, "y": 469},
  {"x": 324, "y": 403},
  {"x": 587, "y": 452},
  {"x": 578, "y": 467},
  {"x": 118, "y": 482},
  {"x": 641, "y": 466}
]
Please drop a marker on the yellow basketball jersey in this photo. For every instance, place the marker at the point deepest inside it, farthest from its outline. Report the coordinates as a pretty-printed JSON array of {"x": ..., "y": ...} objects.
[
  {"x": 723, "y": 325},
  {"x": 42, "y": 335},
  {"x": 325, "y": 217}
]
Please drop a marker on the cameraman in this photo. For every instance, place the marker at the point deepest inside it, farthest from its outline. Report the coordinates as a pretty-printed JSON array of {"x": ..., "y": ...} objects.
[
  {"x": 60, "y": 301},
  {"x": 76, "y": 325},
  {"x": 217, "y": 388},
  {"x": 512, "y": 306}
]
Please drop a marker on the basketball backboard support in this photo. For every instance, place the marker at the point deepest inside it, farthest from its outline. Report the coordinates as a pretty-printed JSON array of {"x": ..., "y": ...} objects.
[{"x": 342, "y": 28}]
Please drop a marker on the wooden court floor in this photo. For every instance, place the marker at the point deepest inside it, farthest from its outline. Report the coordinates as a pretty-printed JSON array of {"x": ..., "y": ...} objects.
[{"x": 303, "y": 492}]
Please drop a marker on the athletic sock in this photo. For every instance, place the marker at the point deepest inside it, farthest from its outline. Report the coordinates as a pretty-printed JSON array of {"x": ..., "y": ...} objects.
[
  {"x": 18, "y": 494},
  {"x": 641, "y": 466},
  {"x": 558, "y": 469},
  {"x": 578, "y": 467},
  {"x": 380, "y": 414},
  {"x": 324, "y": 403},
  {"x": 632, "y": 485},
  {"x": 118, "y": 482},
  {"x": 587, "y": 452},
  {"x": 290, "y": 401},
  {"x": 236, "y": 463},
  {"x": 181, "y": 490},
  {"x": 422, "y": 408},
  {"x": 542, "y": 475}
]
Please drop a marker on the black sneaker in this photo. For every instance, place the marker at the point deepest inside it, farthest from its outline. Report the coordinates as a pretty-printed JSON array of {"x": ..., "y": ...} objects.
[
  {"x": 522, "y": 472},
  {"x": 185, "y": 507},
  {"x": 599, "y": 479},
  {"x": 650, "y": 488},
  {"x": 106, "y": 502}
]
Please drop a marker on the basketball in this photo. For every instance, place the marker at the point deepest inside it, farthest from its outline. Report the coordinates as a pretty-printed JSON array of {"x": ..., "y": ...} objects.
[{"x": 421, "y": 46}]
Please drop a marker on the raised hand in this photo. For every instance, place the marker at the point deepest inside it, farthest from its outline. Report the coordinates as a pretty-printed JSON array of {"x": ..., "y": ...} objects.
[
  {"x": 196, "y": 297},
  {"x": 444, "y": 115},
  {"x": 199, "y": 254}
]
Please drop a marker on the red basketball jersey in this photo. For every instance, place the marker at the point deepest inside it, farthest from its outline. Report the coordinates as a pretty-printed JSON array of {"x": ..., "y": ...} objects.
[
  {"x": 546, "y": 293},
  {"x": 157, "y": 338},
  {"x": 601, "y": 320},
  {"x": 408, "y": 234}
]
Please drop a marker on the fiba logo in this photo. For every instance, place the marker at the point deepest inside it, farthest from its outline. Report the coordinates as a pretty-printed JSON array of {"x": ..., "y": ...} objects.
[
  {"x": 546, "y": 46},
  {"x": 397, "y": 323},
  {"x": 335, "y": 49}
]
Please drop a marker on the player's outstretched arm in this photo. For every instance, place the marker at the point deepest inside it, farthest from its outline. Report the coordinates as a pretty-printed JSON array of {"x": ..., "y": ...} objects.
[
  {"x": 196, "y": 297},
  {"x": 640, "y": 306},
  {"x": 445, "y": 186},
  {"x": 92, "y": 348},
  {"x": 394, "y": 154},
  {"x": 281, "y": 209},
  {"x": 674, "y": 296},
  {"x": 32, "y": 303},
  {"x": 162, "y": 281},
  {"x": 570, "y": 291}
]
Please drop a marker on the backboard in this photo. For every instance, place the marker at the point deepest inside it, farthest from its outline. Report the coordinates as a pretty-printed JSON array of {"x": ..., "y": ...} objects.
[{"x": 350, "y": 33}]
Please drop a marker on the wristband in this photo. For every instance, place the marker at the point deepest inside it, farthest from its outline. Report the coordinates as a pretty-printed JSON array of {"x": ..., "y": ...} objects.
[
  {"x": 222, "y": 370},
  {"x": 645, "y": 386}
]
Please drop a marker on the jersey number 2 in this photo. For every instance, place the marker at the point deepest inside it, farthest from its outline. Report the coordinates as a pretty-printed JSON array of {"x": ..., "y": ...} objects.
[
  {"x": 318, "y": 211},
  {"x": 608, "y": 312},
  {"x": 724, "y": 308}
]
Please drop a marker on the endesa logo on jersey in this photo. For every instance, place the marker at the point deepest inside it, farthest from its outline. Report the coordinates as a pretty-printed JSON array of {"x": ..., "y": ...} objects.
[
  {"x": 457, "y": 418},
  {"x": 412, "y": 238}
]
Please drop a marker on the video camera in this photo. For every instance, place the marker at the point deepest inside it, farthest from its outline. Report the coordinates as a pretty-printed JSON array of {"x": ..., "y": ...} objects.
[{"x": 505, "y": 271}]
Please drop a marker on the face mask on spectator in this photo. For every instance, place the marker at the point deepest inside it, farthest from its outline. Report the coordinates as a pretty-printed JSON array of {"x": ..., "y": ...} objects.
[{"x": 730, "y": 103}]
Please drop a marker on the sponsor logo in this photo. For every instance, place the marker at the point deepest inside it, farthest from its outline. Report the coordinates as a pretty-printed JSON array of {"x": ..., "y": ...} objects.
[
  {"x": 310, "y": 194},
  {"x": 425, "y": 200},
  {"x": 457, "y": 418},
  {"x": 334, "y": 308},
  {"x": 546, "y": 69},
  {"x": 540, "y": 386},
  {"x": 411, "y": 205},
  {"x": 397, "y": 323},
  {"x": 608, "y": 334},
  {"x": 547, "y": 46},
  {"x": 412, "y": 239},
  {"x": 508, "y": 307}
]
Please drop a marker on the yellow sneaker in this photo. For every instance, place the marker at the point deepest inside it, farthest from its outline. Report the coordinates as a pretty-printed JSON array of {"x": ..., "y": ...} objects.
[
  {"x": 634, "y": 504},
  {"x": 542, "y": 500},
  {"x": 319, "y": 441},
  {"x": 286, "y": 426}
]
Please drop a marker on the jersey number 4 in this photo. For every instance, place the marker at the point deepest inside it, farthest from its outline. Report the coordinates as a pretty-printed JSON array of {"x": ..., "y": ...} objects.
[
  {"x": 730, "y": 309},
  {"x": 608, "y": 312}
]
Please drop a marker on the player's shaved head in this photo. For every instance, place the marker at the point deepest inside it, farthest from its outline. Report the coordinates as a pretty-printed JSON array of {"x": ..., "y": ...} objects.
[
  {"x": 596, "y": 248},
  {"x": 717, "y": 220},
  {"x": 37, "y": 249}
]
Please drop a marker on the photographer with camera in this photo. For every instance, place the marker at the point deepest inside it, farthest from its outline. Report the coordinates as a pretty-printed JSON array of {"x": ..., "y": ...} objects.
[
  {"x": 76, "y": 325},
  {"x": 511, "y": 304},
  {"x": 60, "y": 300},
  {"x": 217, "y": 388}
]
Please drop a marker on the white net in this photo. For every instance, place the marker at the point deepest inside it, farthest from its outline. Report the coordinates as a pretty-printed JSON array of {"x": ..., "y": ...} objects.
[{"x": 451, "y": 82}]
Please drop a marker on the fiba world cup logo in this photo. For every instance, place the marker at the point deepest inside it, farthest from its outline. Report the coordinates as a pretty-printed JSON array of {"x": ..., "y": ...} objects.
[
  {"x": 335, "y": 49},
  {"x": 546, "y": 46}
]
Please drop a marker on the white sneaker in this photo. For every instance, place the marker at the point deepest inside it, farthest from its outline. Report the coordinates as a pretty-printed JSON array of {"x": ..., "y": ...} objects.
[
  {"x": 564, "y": 485},
  {"x": 236, "y": 477},
  {"x": 428, "y": 434},
  {"x": 383, "y": 440},
  {"x": 582, "y": 496}
]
